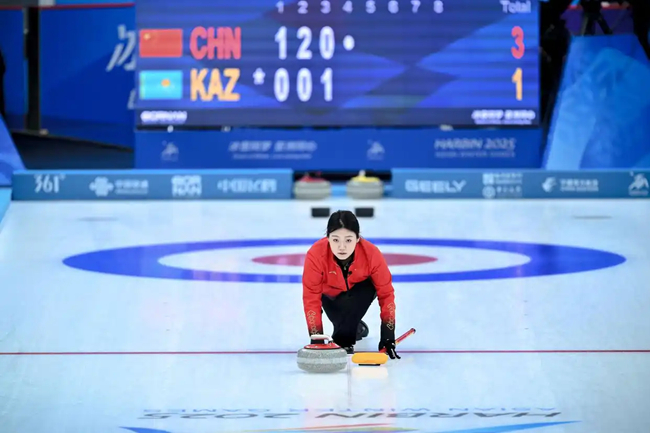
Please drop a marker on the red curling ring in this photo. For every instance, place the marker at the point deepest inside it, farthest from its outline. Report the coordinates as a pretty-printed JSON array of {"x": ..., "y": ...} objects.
[{"x": 328, "y": 346}]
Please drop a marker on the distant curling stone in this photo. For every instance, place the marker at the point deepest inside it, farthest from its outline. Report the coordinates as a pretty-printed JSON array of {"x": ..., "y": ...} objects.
[
  {"x": 312, "y": 188},
  {"x": 364, "y": 187},
  {"x": 322, "y": 358},
  {"x": 360, "y": 212}
]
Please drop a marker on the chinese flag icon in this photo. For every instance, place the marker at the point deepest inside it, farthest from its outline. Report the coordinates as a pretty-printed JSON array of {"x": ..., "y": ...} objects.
[{"x": 161, "y": 43}]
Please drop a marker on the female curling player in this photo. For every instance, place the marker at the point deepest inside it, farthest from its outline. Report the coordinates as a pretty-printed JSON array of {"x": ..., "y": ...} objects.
[{"x": 343, "y": 274}]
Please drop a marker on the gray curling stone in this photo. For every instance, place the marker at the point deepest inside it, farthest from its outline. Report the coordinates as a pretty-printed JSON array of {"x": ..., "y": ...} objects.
[
  {"x": 362, "y": 187},
  {"x": 322, "y": 358},
  {"x": 312, "y": 190}
]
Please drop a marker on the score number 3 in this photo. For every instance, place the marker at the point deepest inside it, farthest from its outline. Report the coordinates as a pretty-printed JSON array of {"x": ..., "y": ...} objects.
[{"x": 518, "y": 53}]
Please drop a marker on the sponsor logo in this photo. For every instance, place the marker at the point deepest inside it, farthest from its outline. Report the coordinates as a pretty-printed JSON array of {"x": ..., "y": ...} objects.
[
  {"x": 461, "y": 147},
  {"x": 243, "y": 185},
  {"x": 187, "y": 186},
  {"x": 375, "y": 151},
  {"x": 169, "y": 152},
  {"x": 378, "y": 427},
  {"x": 163, "y": 117},
  {"x": 435, "y": 186},
  {"x": 570, "y": 185},
  {"x": 639, "y": 186},
  {"x": 269, "y": 149},
  {"x": 503, "y": 117},
  {"x": 348, "y": 413},
  {"x": 103, "y": 187},
  {"x": 503, "y": 185},
  {"x": 48, "y": 184},
  {"x": 549, "y": 184},
  {"x": 369, "y": 419}
]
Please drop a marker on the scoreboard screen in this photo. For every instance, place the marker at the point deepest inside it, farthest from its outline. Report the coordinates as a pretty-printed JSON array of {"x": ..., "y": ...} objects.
[{"x": 207, "y": 63}]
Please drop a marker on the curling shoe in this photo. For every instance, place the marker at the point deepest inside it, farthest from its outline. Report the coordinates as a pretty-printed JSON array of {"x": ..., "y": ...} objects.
[{"x": 362, "y": 330}]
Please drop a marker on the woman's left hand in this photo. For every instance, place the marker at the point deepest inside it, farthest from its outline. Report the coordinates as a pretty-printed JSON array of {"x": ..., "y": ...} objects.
[{"x": 389, "y": 346}]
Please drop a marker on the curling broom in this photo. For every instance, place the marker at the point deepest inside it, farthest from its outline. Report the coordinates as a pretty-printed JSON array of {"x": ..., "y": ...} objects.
[{"x": 377, "y": 358}]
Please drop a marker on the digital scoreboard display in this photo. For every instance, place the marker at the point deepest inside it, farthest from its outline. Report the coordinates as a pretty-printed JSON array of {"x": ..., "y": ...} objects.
[{"x": 207, "y": 63}]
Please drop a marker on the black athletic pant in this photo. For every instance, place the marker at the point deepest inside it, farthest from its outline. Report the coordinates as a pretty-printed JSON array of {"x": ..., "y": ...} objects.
[{"x": 347, "y": 309}]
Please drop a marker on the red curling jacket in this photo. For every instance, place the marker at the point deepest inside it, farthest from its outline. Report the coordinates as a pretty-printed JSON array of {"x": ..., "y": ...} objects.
[{"x": 323, "y": 276}]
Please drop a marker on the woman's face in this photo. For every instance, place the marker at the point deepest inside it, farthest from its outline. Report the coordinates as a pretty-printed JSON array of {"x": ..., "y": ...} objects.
[{"x": 342, "y": 243}]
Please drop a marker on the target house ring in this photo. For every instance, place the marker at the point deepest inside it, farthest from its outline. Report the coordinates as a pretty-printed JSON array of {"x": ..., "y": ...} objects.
[{"x": 144, "y": 261}]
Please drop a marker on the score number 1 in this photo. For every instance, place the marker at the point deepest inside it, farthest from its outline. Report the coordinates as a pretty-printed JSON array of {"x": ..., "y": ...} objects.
[{"x": 518, "y": 53}]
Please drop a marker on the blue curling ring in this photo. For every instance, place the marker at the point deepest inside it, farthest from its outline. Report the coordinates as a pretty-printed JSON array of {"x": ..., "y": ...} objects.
[{"x": 144, "y": 261}]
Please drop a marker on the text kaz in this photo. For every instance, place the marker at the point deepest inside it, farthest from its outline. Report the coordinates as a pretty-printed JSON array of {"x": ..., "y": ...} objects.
[{"x": 205, "y": 43}]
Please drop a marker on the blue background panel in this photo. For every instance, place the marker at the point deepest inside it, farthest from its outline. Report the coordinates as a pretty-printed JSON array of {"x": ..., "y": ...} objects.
[
  {"x": 12, "y": 44},
  {"x": 5, "y": 201},
  {"x": 603, "y": 106},
  {"x": 9, "y": 158},
  {"x": 88, "y": 60},
  {"x": 343, "y": 149}
]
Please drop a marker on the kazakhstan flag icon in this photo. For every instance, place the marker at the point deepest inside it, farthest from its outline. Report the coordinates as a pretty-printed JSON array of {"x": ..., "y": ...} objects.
[{"x": 161, "y": 85}]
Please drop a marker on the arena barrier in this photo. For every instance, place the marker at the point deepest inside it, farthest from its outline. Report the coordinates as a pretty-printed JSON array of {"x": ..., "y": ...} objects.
[
  {"x": 5, "y": 201},
  {"x": 520, "y": 184},
  {"x": 278, "y": 184},
  {"x": 152, "y": 184}
]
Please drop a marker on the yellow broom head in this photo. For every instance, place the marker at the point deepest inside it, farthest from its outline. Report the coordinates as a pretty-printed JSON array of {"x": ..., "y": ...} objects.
[{"x": 369, "y": 358}]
